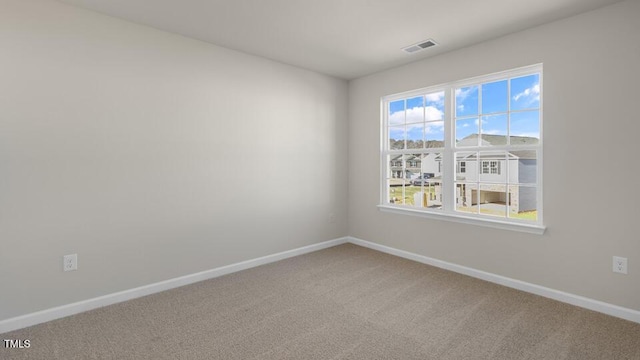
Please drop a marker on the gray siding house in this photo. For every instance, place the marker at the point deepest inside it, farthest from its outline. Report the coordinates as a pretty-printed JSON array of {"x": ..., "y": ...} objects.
[
  {"x": 491, "y": 171},
  {"x": 480, "y": 179}
]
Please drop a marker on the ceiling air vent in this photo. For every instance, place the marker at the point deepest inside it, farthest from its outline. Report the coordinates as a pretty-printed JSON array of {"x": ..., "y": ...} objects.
[{"x": 420, "y": 46}]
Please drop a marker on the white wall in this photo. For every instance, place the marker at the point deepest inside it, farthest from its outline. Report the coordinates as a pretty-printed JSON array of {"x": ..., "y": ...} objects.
[
  {"x": 152, "y": 155},
  {"x": 591, "y": 135}
]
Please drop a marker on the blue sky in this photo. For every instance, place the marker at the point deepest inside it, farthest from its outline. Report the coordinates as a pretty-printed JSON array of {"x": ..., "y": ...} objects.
[
  {"x": 423, "y": 115},
  {"x": 419, "y": 116}
]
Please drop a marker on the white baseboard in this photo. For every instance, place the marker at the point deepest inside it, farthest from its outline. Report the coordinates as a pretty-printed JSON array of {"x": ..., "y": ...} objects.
[
  {"x": 583, "y": 302},
  {"x": 35, "y": 318},
  {"x": 90, "y": 304}
]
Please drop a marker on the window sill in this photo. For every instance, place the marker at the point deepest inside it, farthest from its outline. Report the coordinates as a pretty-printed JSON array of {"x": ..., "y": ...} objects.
[{"x": 496, "y": 224}]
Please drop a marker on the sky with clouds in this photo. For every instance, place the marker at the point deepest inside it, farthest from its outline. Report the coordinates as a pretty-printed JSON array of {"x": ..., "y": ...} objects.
[{"x": 497, "y": 108}]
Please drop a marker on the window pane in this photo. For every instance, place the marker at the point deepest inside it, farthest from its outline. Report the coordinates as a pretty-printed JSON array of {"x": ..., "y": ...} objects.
[
  {"x": 467, "y": 132},
  {"x": 428, "y": 195},
  {"x": 395, "y": 191},
  {"x": 467, "y": 197},
  {"x": 396, "y": 112},
  {"x": 494, "y": 97},
  {"x": 419, "y": 196},
  {"x": 493, "y": 199},
  {"x": 466, "y": 166},
  {"x": 525, "y": 128},
  {"x": 415, "y": 133},
  {"x": 395, "y": 166},
  {"x": 434, "y": 109},
  {"x": 415, "y": 110},
  {"x": 434, "y": 188},
  {"x": 431, "y": 167},
  {"x": 412, "y": 162},
  {"x": 467, "y": 101},
  {"x": 414, "y": 195},
  {"x": 523, "y": 167},
  {"x": 494, "y": 130},
  {"x": 434, "y": 134},
  {"x": 525, "y": 92},
  {"x": 523, "y": 202},
  {"x": 396, "y": 137},
  {"x": 414, "y": 184}
]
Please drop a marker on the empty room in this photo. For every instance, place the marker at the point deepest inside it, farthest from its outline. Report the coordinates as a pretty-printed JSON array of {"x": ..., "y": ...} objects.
[{"x": 339, "y": 179}]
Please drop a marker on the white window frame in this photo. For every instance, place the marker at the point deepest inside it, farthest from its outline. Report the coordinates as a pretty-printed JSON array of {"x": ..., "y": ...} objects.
[{"x": 448, "y": 211}]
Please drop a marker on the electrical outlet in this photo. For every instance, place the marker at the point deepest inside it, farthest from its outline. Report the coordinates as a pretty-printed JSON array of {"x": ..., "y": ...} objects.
[
  {"x": 619, "y": 265},
  {"x": 70, "y": 262}
]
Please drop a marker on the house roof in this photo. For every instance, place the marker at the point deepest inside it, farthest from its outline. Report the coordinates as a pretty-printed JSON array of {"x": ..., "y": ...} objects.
[
  {"x": 515, "y": 154},
  {"x": 409, "y": 157},
  {"x": 487, "y": 139}
]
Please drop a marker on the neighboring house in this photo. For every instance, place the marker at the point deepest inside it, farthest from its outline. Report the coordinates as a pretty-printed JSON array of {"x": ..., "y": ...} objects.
[
  {"x": 412, "y": 170},
  {"x": 489, "y": 172},
  {"x": 431, "y": 163},
  {"x": 415, "y": 165},
  {"x": 395, "y": 167}
]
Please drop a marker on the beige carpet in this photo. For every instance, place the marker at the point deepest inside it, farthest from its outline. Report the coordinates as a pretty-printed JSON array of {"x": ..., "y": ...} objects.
[{"x": 345, "y": 302}]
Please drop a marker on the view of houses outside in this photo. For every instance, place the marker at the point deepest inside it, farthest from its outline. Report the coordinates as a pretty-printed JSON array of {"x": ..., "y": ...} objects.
[{"x": 497, "y": 131}]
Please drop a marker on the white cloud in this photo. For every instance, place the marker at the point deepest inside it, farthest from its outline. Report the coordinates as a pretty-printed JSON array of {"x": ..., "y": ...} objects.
[
  {"x": 433, "y": 113},
  {"x": 416, "y": 115},
  {"x": 531, "y": 94},
  {"x": 463, "y": 94},
  {"x": 396, "y": 118},
  {"x": 435, "y": 97},
  {"x": 434, "y": 127}
]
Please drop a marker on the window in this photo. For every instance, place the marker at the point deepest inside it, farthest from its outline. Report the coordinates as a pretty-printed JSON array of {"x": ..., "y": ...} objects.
[
  {"x": 462, "y": 167},
  {"x": 481, "y": 139},
  {"x": 485, "y": 167},
  {"x": 490, "y": 167}
]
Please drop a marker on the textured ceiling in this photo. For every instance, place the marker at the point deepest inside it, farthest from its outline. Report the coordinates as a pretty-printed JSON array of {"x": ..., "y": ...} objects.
[{"x": 343, "y": 38}]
